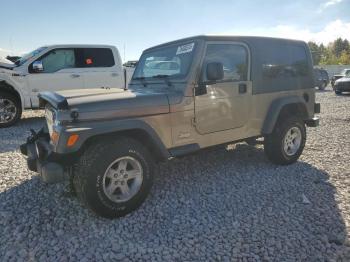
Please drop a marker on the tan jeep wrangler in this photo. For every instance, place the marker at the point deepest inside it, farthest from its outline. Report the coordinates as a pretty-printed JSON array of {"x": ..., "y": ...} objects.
[{"x": 184, "y": 96}]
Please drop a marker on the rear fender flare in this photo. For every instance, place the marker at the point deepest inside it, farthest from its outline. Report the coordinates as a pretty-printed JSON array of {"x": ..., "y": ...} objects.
[{"x": 278, "y": 106}]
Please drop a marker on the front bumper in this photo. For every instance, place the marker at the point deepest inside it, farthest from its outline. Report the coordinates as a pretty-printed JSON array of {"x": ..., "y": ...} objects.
[
  {"x": 41, "y": 159},
  {"x": 342, "y": 87}
]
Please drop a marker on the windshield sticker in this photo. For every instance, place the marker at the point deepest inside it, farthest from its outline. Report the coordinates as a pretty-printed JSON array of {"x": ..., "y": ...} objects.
[{"x": 185, "y": 49}]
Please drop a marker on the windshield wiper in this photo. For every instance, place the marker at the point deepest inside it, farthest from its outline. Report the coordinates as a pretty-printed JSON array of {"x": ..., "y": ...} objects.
[
  {"x": 165, "y": 77},
  {"x": 142, "y": 79}
]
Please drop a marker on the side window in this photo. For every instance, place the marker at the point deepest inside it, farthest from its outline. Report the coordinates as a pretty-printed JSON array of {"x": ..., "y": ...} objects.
[
  {"x": 233, "y": 57},
  {"x": 286, "y": 61},
  {"x": 58, "y": 59},
  {"x": 96, "y": 57}
]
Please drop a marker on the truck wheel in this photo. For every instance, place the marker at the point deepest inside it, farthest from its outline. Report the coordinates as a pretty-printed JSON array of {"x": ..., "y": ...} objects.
[
  {"x": 113, "y": 178},
  {"x": 251, "y": 141},
  {"x": 322, "y": 86},
  {"x": 287, "y": 141},
  {"x": 10, "y": 109}
]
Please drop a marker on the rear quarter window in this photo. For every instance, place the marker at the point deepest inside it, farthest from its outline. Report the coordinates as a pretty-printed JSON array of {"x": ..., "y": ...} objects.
[
  {"x": 95, "y": 57},
  {"x": 282, "y": 66},
  {"x": 288, "y": 61}
]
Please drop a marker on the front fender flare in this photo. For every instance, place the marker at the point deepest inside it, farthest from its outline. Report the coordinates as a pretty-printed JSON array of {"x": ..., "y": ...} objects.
[{"x": 93, "y": 129}]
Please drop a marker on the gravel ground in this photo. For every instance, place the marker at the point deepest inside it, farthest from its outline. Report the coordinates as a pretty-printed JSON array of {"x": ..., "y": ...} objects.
[{"x": 215, "y": 205}]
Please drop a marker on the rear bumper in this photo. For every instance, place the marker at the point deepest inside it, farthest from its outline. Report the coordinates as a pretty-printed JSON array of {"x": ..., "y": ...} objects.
[
  {"x": 314, "y": 122},
  {"x": 41, "y": 159}
]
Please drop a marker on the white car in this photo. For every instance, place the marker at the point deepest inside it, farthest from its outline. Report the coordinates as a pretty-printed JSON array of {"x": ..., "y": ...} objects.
[{"x": 54, "y": 68}]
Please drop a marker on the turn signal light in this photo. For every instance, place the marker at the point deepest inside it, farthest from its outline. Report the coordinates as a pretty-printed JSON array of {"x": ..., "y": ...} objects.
[{"x": 72, "y": 140}]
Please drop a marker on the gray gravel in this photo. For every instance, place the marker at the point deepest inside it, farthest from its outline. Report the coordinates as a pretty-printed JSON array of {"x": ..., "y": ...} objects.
[{"x": 217, "y": 205}]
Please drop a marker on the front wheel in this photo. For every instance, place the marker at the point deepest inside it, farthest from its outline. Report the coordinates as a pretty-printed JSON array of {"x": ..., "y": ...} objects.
[
  {"x": 113, "y": 178},
  {"x": 337, "y": 92},
  {"x": 10, "y": 109},
  {"x": 285, "y": 145}
]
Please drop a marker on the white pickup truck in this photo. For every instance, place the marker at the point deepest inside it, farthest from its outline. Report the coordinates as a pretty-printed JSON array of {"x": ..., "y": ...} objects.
[{"x": 54, "y": 68}]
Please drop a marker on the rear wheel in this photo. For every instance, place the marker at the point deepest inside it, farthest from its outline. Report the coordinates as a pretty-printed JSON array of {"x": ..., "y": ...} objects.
[
  {"x": 286, "y": 143},
  {"x": 114, "y": 178},
  {"x": 322, "y": 86},
  {"x": 10, "y": 109},
  {"x": 337, "y": 92}
]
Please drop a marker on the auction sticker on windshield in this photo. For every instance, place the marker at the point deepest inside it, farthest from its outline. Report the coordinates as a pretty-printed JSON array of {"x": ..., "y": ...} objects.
[{"x": 185, "y": 49}]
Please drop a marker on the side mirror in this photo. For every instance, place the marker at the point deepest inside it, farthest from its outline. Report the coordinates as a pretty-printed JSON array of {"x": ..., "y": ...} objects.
[
  {"x": 38, "y": 66},
  {"x": 215, "y": 71}
]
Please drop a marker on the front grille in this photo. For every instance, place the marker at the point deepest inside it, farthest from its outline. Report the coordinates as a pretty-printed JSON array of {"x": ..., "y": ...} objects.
[{"x": 343, "y": 85}]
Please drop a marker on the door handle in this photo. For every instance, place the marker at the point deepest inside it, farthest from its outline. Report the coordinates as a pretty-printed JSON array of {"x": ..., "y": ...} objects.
[
  {"x": 74, "y": 75},
  {"x": 242, "y": 88},
  {"x": 114, "y": 74}
]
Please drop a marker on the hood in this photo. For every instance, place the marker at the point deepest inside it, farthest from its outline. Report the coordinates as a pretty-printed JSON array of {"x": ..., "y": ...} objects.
[
  {"x": 4, "y": 63},
  {"x": 338, "y": 76},
  {"x": 108, "y": 103}
]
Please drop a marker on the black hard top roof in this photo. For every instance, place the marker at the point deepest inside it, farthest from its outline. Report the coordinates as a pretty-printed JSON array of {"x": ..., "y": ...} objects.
[{"x": 227, "y": 38}]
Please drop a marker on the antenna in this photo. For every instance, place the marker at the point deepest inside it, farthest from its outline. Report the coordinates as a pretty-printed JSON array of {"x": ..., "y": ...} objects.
[
  {"x": 124, "y": 52},
  {"x": 11, "y": 46}
]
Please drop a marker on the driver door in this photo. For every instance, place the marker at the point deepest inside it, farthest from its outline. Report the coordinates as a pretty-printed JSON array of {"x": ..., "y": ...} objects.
[
  {"x": 59, "y": 72},
  {"x": 226, "y": 103}
]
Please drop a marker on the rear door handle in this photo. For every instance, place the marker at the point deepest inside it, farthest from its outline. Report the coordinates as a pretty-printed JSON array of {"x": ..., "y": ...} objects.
[
  {"x": 242, "y": 88},
  {"x": 74, "y": 75}
]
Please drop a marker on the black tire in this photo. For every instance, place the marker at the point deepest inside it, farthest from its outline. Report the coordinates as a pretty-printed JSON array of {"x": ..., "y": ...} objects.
[
  {"x": 274, "y": 143},
  {"x": 90, "y": 172},
  {"x": 251, "y": 141},
  {"x": 18, "y": 108},
  {"x": 337, "y": 92},
  {"x": 322, "y": 86}
]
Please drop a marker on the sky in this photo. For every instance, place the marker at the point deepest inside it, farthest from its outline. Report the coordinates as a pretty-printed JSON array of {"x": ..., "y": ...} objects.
[{"x": 134, "y": 25}]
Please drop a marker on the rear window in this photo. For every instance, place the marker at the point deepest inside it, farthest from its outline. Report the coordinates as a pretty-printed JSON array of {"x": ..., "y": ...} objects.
[{"x": 95, "y": 57}]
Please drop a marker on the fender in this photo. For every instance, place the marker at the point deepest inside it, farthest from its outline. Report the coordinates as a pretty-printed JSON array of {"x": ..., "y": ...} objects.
[
  {"x": 276, "y": 108},
  {"x": 105, "y": 128},
  {"x": 5, "y": 86}
]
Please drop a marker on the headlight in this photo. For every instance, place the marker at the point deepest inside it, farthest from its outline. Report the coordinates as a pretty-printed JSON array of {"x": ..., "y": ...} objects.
[{"x": 51, "y": 119}]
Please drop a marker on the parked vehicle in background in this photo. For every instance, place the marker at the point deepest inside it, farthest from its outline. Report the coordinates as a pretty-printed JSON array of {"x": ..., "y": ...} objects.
[
  {"x": 342, "y": 84},
  {"x": 342, "y": 74},
  {"x": 321, "y": 78},
  {"x": 131, "y": 63},
  {"x": 13, "y": 58},
  {"x": 54, "y": 68},
  {"x": 217, "y": 90}
]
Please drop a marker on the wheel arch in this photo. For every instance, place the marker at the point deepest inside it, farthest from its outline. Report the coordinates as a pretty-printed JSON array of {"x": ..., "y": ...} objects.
[
  {"x": 136, "y": 129},
  {"x": 6, "y": 87},
  {"x": 281, "y": 108}
]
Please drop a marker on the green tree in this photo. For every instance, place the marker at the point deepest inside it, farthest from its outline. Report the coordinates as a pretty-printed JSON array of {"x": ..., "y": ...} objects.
[
  {"x": 344, "y": 58},
  {"x": 315, "y": 52},
  {"x": 335, "y": 53}
]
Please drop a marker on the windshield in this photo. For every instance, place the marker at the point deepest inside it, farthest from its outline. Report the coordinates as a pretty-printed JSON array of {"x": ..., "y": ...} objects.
[
  {"x": 344, "y": 71},
  {"x": 172, "y": 61},
  {"x": 29, "y": 55},
  {"x": 347, "y": 74}
]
